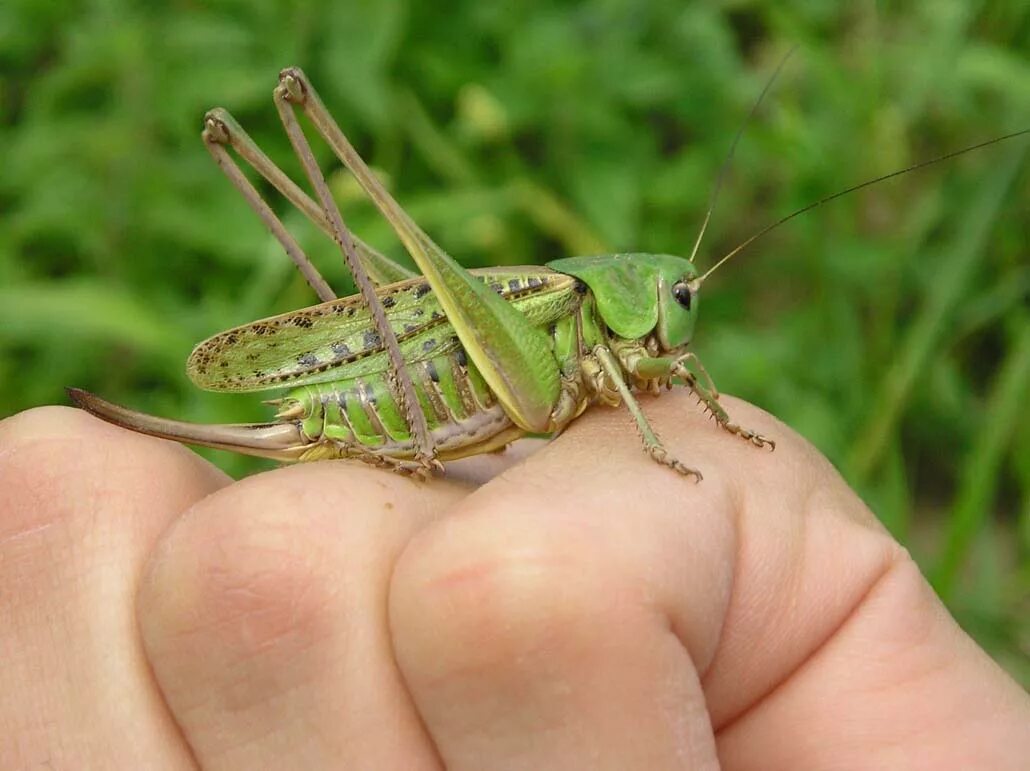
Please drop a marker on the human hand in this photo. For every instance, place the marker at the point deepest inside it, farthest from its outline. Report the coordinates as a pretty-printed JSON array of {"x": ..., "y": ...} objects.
[{"x": 586, "y": 608}]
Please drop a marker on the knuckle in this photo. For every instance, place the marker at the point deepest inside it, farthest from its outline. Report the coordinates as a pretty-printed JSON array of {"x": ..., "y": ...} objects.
[
  {"x": 525, "y": 596},
  {"x": 239, "y": 580},
  {"x": 234, "y": 610},
  {"x": 274, "y": 563}
]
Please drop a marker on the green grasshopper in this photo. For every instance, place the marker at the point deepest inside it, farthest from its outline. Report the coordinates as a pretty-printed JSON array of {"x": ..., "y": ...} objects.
[{"x": 414, "y": 370}]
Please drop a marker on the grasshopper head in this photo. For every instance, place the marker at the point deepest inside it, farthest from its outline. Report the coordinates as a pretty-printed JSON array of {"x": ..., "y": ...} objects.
[
  {"x": 641, "y": 294},
  {"x": 678, "y": 287}
]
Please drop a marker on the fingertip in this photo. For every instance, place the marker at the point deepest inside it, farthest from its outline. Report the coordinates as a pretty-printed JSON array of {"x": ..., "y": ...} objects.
[
  {"x": 60, "y": 425},
  {"x": 60, "y": 461},
  {"x": 48, "y": 420}
]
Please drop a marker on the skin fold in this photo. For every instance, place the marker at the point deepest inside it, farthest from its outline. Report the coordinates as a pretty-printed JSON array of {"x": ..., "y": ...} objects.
[{"x": 563, "y": 605}]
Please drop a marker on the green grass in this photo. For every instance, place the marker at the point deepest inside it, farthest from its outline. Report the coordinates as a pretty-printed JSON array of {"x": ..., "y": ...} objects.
[{"x": 892, "y": 328}]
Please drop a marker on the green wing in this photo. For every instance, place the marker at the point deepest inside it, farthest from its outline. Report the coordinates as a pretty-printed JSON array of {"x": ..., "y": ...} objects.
[{"x": 335, "y": 340}]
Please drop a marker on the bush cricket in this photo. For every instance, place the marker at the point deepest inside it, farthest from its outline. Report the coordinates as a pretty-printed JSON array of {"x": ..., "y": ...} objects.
[{"x": 418, "y": 369}]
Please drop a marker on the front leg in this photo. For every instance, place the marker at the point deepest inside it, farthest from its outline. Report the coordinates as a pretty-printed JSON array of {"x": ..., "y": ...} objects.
[
  {"x": 710, "y": 399},
  {"x": 652, "y": 444},
  {"x": 700, "y": 383}
]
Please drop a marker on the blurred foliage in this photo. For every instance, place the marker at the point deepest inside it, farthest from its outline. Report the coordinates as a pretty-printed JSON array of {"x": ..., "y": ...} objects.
[{"x": 892, "y": 327}]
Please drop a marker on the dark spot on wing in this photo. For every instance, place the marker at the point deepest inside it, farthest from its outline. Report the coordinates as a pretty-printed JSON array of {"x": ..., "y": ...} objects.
[
  {"x": 461, "y": 357},
  {"x": 421, "y": 290},
  {"x": 534, "y": 282},
  {"x": 431, "y": 371},
  {"x": 341, "y": 350},
  {"x": 372, "y": 339},
  {"x": 499, "y": 288},
  {"x": 389, "y": 302},
  {"x": 429, "y": 345},
  {"x": 307, "y": 360},
  {"x": 301, "y": 321},
  {"x": 514, "y": 284}
]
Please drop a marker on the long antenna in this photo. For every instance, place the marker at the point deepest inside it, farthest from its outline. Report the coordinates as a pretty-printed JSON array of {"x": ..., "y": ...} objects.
[
  {"x": 721, "y": 176},
  {"x": 852, "y": 189}
]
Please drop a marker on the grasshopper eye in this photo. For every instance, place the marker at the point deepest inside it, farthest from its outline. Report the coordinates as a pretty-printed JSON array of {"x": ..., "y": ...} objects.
[{"x": 681, "y": 291}]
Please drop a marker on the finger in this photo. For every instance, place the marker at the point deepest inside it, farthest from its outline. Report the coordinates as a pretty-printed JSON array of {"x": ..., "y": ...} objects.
[
  {"x": 808, "y": 551},
  {"x": 264, "y": 617},
  {"x": 579, "y": 601},
  {"x": 559, "y": 618},
  {"x": 897, "y": 685},
  {"x": 81, "y": 504},
  {"x": 832, "y": 628}
]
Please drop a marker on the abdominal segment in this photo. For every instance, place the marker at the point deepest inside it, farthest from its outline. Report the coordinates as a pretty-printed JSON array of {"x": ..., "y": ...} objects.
[{"x": 358, "y": 416}]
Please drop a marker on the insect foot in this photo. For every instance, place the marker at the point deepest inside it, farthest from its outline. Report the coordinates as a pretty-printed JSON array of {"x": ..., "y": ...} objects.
[
  {"x": 418, "y": 468},
  {"x": 405, "y": 467},
  {"x": 660, "y": 454},
  {"x": 707, "y": 398},
  {"x": 751, "y": 436},
  {"x": 759, "y": 441}
]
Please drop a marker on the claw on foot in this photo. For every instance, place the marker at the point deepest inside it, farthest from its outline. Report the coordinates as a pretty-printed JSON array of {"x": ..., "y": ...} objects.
[
  {"x": 419, "y": 468},
  {"x": 422, "y": 467},
  {"x": 751, "y": 436},
  {"x": 660, "y": 454},
  {"x": 758, "y": 440}
]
